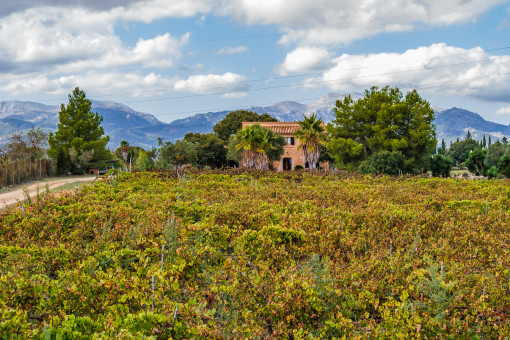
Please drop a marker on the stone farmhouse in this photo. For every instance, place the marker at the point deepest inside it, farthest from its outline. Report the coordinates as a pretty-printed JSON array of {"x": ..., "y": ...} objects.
[{"x": 291, "y": 155}]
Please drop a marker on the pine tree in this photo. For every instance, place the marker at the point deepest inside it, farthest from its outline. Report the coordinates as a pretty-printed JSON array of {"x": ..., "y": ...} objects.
[
  {"x": 484, "y": 142},
  {"x": 79, "y": 133}
]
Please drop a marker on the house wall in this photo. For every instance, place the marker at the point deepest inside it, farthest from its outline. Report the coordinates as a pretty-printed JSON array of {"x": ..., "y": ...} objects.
[{"x": 286, "y": 129}]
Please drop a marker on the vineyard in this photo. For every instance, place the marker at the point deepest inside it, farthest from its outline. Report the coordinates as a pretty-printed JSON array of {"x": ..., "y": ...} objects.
[{"x": 259, "y": 255}]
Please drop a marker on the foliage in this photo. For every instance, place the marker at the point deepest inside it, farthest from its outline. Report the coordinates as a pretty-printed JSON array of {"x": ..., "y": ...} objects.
[
  {"x": 232, "y": 123},
  {"x": 132, "y": 153},
  {"x": 494, "y": 153},
  {"x": 324, "y": 155},
  {"x": 175, "y": 155},
  {"x": 440, "y": 165},
  {"x": 29, "y": 146},
  {"x": 210, "y": 149},
  {"x": 144, "y": 162},
  {"x": 124, "y": 150},
  {"x": 493, "y": 172},
  {"x": 384, "y": 120},
  {"x": 442, "y": 149},
  {"x": 476, "y": 162},
  {"x": 259, "y": 255},
  {"x": 233, "y": 153},
  {"x": 504, "y": 165},
  {"x": 259, "y": 146},
  {"x": 311, "y": 134},
  {"x": 389, "y": 163},
  {"x": 459, "y": 151},
  {"x": 80, "y": 129}
]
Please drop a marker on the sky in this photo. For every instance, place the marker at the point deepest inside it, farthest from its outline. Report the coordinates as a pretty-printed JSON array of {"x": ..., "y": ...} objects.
[{"x": 176, "y": 58}]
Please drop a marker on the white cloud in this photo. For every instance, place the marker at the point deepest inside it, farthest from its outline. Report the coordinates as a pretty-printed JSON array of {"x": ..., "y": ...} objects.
[
  {"x": 232, "y": 50},
  {"x": 437, "y": 68},
  {"x": 94, "y": 82},
  {"x": 305, "y": 59},
  {"x": 77, "y": 39},
  {"x": 149, "y": 10},
  {"x": 332, "y": 21},
  {"x": 230, "y": 83},
  {"x": 503, "y": 111},
  {"x": 234, "y": 95}
]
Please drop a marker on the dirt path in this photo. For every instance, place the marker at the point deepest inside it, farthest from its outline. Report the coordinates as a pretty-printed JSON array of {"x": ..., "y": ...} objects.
[{"x": 11, "y": 197}]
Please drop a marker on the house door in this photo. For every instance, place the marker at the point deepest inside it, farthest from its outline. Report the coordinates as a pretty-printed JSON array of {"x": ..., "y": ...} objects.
[{"x": 287, "y": 164}]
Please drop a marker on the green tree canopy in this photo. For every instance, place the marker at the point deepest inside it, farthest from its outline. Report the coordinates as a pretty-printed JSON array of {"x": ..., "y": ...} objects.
[
  {"x": 504, "y": 165},
  {"x": 28, "y": 146},
  {"x": 459, "y": 151},
  {"x": 384, "y": 162},
  {"x": 384, "y": 120},
  {"x": 233, "y": 122},
  {"x": 175, "y": 155},
  {"x": 494, "y": 153},
  {"x": 144, "y": 161},
  {"x": 440, "y": 165},
  {"x": 476, "y": 161},
  {"x": 79, "y": 129},
  {"x": 210, "y": 149}
]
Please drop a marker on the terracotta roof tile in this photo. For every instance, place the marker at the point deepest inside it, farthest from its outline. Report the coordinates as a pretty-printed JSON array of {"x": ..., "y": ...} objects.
[{"x": 287, "y": 128}]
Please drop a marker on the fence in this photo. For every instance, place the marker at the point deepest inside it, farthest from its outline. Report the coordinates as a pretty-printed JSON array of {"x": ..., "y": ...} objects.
[{"x": 19, "y": 172}]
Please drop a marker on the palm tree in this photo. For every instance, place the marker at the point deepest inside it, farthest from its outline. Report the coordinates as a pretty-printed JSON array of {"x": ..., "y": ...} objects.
[
  {"x": 124, "y": 146},
  {"x": 311, "y": 135},
  {"x": 254, "y": 140}
]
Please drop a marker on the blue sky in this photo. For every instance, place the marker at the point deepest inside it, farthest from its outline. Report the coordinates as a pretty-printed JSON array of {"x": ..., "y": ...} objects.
[{"x": 173, "y": 59}]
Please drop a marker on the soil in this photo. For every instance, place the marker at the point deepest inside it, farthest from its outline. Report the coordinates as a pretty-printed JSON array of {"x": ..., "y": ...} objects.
[{"x": 11, "y": 197}]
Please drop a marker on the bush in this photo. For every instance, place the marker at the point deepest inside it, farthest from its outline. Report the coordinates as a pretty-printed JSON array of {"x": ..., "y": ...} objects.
[
  {"x": 476, "y": 162},
  {"x": 299, "y": 167},
  {"x": 493, "y": 172},
  {"x": 144, "y": 162},
  {"x": 389, "y": 163},
  {"x": 440, "y": 165},
  {"x": 504, "y": 165}
]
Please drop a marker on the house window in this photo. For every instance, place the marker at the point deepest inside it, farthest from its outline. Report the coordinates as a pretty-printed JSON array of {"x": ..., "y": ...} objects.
[
  {"x": 307, "y": 165},
  {"x": 289, "y": 140},
  {"x": 287, "y": 164}
]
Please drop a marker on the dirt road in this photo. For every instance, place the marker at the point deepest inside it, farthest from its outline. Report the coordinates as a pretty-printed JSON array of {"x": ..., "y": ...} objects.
[{"x": 10, "y": 197}]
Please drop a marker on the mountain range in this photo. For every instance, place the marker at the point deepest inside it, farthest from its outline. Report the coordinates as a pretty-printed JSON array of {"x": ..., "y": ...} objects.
[{"x": 142, "y": 129}]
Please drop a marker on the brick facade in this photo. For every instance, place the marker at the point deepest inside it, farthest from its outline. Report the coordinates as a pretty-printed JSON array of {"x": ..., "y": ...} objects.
[{"x": 291, "y": 155}]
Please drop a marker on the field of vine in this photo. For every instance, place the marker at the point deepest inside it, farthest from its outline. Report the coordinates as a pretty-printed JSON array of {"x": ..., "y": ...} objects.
[{"x": 259, "y": 255}]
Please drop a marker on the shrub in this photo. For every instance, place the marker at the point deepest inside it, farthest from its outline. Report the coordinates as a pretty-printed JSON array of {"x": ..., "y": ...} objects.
[
  {"x": 389, "y": 163},
  {"x": 476, "y": 162},
  {"x": 298, "y": 167},
  {"x": 504, "y": 165},
  {"x": 440, "y": 165},
  {"x": 493, "y": 172}
]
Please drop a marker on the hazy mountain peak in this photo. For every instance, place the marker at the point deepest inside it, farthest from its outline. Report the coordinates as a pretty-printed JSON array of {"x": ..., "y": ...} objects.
[{"x": 143, "y": 129}]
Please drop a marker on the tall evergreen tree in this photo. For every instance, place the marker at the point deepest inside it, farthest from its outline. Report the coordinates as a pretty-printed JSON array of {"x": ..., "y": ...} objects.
[
  {"x": 80, "y": 135},
  {"x": 442, "y": 149},
  {"x": 384, "y": 120}
]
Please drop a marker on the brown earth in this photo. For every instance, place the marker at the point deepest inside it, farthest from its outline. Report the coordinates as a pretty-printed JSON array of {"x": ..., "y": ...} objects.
[{"x": 11, "y": 197}]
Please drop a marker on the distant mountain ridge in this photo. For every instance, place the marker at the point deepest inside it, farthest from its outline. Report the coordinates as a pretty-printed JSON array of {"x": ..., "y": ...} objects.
[{"x": 142, "y": 129}]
